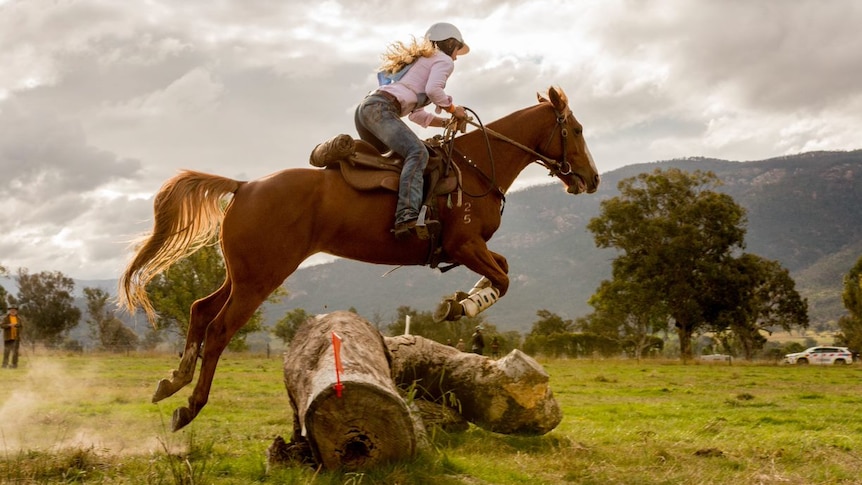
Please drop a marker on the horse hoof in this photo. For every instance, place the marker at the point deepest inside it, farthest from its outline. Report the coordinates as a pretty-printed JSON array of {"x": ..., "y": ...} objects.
[
  {"x": 448, "y": 310},
  {"x": 442, "y": 311},
  {"x": 181, "y": 417},
  {"x": 163, "y": 390}
]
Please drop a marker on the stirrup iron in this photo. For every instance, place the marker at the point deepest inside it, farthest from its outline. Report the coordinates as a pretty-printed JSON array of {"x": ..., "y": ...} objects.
[{"x": 425, "y": 228}]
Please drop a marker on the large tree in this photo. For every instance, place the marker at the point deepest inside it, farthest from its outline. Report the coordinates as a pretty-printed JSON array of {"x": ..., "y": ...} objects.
[
  {"x": 105, "y": 328},
  {"x": 674, "y": 235},
  {"x": 45, "y": 301},
  {"x": 851, "y": 324},
  {"x": 679, "y": 243},
  {"x": 190, "y": 279}
]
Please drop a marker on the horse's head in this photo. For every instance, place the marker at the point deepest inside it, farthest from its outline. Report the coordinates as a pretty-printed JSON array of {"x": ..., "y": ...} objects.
[{"x": 566, "y": 149}]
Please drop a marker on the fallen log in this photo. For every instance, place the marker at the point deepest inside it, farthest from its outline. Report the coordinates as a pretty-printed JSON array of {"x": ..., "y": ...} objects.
[
  {"x": 392, "y": 388},
  {"x": 510, "y": 395},
  {"x": 369, "y": 423}
]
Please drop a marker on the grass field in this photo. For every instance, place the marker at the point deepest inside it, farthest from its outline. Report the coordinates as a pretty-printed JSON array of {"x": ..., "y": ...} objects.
[{"x": 88, "y": 419}]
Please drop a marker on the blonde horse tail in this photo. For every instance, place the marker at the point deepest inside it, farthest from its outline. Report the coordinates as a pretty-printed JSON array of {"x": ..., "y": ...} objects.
[{"x": 188, "y": 213}]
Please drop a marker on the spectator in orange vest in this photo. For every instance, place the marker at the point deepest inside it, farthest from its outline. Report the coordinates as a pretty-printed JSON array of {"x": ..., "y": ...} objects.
[{"x": 11, "y": 337}]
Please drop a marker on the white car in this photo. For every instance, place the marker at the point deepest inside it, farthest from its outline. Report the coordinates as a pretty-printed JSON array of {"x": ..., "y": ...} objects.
[
  {"x": 716, "y": 358},
  {"x": 820, "y": 355}
]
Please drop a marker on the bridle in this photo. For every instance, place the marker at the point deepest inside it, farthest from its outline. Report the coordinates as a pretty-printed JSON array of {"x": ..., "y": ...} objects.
[
  {"x": 562, "y": 167},
  {"x": 555, "y": 168}
]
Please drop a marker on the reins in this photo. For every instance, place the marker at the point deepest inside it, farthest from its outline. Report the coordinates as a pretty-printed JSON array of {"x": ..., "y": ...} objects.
[{"x": 449, "y": 139}]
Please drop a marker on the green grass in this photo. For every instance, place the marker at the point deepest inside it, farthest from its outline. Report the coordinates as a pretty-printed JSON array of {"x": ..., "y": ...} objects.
[{"x": 88, "y": 419}]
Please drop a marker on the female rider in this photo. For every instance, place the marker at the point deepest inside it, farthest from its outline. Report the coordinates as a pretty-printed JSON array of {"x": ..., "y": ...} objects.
[{"x": 421, "y": 70}]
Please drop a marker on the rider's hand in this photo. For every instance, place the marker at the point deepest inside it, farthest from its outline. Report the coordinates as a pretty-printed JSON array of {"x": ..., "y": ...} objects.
[
  {"x": 457, "y": 124},
  {"x": 459, "y": 113}
]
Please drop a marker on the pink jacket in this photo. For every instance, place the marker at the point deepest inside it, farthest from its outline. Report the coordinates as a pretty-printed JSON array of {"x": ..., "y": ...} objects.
[{"x": 423, "y": 84}]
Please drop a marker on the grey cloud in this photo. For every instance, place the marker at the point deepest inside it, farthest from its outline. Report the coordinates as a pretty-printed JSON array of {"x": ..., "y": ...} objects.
[
  {"x": 769, "y": 55},
  {"x": 42, "y": 157},
  {"x": 112, "y": 226}
]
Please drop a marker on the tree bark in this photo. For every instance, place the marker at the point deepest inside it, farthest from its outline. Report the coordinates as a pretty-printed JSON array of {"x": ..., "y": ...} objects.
[
  {"x": 510, "y": 395},
  {"x": 370, "y": 423},
  {"x": 684, "y": 332}
]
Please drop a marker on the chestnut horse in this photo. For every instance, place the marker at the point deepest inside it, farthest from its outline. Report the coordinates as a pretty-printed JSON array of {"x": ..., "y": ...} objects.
[{"x": 274, "y": 223}]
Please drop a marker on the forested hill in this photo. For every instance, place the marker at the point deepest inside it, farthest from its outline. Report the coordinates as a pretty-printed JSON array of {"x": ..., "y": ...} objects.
[{"x": 804, "y": 211}]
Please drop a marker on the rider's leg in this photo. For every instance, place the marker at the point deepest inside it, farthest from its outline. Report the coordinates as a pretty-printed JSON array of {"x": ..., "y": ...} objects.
[
  {"x": 364, "y": 133},
  {"x": 410, "y": 185},
  {"x": 378, "y": 118}
]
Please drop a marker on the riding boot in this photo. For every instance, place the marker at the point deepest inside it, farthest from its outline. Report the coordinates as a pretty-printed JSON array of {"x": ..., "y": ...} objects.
[
  {"x": 333, "y": 150},
  {"x": 421, "y": 225}
]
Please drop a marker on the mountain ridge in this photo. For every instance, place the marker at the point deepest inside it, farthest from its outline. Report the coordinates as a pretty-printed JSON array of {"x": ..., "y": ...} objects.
[{"x": 802, "y": 210}]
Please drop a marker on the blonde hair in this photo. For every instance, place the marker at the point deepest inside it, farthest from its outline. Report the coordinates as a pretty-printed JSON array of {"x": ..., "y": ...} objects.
[{"x": 398, "y": 54}]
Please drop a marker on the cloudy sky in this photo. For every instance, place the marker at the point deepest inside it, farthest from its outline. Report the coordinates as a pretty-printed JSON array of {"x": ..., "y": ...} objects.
[{"x": 101, "y": 101}]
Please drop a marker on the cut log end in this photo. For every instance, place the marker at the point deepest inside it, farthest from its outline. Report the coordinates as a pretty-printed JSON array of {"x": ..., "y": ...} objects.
[
  {"x": 370, "y": 423},
  {"x": 365, "y": 427}
]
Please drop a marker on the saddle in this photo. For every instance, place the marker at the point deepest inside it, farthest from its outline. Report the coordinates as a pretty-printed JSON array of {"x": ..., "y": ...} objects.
[{"x": 364, "y": 168}]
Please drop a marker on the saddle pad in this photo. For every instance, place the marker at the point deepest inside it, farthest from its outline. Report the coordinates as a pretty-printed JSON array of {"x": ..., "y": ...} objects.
[
  {"x": 366, "y": 169},
  {"x": 362, "y": 178},
  {"x": 373, "y": 161}
]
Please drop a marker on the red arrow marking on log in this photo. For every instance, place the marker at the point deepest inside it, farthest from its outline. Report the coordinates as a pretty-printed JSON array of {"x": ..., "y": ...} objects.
[{"x": 336, "y": 350}]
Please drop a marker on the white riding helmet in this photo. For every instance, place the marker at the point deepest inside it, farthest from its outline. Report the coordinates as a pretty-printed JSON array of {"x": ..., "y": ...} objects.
[{"x": 444, "y": 30}]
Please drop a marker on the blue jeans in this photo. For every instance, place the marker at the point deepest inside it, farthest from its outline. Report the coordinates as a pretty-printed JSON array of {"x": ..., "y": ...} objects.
[{"x": 378, "y": 122}]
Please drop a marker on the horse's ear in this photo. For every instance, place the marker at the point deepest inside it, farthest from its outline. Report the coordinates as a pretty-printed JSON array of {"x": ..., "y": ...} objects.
[
  {"x": 542, "y": 99},
  {"x": 559, "y": 100}
]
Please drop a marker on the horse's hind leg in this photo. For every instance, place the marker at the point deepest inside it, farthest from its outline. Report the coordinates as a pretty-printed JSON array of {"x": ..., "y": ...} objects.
[
  {"x": 202, "y": 313},
  {"x": 238, "y": 309}
]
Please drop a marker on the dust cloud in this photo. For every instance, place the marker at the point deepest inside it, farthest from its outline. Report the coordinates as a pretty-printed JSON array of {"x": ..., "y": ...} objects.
[{"x": 49, "y": 410}]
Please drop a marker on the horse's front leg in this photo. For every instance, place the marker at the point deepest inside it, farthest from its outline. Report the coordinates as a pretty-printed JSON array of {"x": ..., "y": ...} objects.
[
  {"x": 484, "y": 293},
  {"x": 202, "y": 312}
]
